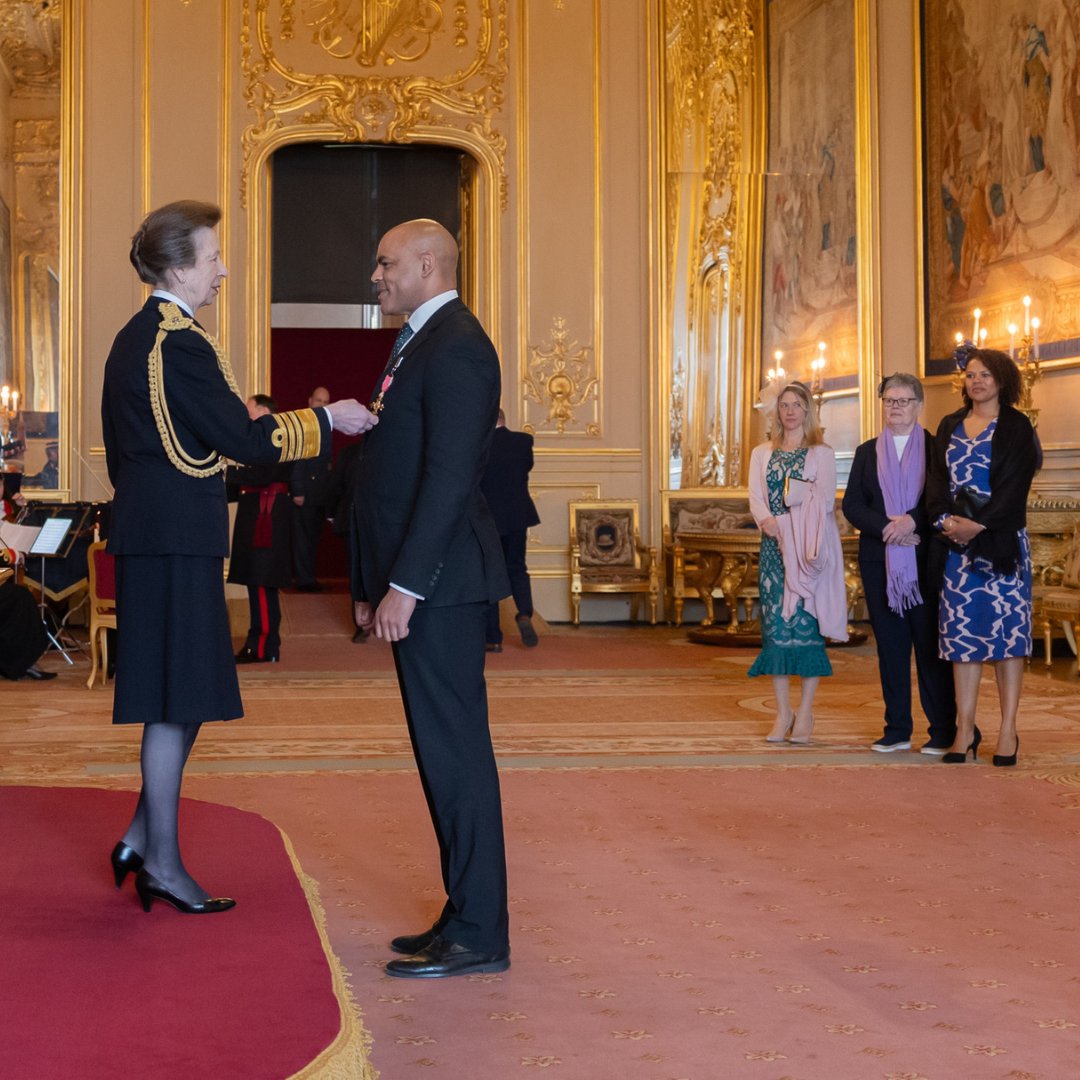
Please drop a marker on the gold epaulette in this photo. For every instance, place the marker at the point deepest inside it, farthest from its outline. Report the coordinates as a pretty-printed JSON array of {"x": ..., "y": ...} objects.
[
  {"x": 172, "y": 318},
  {"x": 298, "y": 435}
]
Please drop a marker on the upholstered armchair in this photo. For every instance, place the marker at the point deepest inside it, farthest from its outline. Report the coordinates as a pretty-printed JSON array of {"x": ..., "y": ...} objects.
[
  {"x": 607, "y": 556},
  {"x": 1061, "y": 604}
]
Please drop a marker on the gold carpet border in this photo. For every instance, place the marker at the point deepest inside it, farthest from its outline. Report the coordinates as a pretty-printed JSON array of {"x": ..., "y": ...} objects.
[{"x": 346, "y": 1058}]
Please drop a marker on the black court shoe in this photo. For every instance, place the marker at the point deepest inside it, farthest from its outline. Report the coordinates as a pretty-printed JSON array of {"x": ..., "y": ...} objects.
[
  {"x": 953, "y": 758},
  {"x": 150, "y": 889},
  {"x": 1003, "y": 761},
  {"x": 125, "y": 860}
]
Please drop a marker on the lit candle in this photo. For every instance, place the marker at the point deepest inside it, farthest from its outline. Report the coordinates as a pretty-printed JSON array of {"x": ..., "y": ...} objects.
[
  {"x": 1035, "y": 324},
  {"x": 14, "y": 400},
  {"x": 978, "y": 315},
  {"x": 1012, "y": 341},
  {"x": 959, "y": 338},
  {"x": 982, "y": 338},
  {"x": 1027, "y": 315},
  {"x": 5, "y": 393}
]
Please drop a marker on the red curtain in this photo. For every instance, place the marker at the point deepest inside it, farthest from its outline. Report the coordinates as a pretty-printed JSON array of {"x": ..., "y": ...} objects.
[{"x": 347, "y": 363}]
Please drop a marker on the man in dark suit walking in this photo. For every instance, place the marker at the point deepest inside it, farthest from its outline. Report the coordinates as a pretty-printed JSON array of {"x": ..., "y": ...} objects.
[
  {"x": 506, "y": 487},
  {"x": 426, "y": 564},
  {"x": 309, "y": 483}
]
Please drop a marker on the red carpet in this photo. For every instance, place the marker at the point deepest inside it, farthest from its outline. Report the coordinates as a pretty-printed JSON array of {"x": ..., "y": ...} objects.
[{"x": 95, "y": 988}]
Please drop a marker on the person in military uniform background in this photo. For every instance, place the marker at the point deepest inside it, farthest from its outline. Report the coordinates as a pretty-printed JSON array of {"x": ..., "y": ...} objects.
[
  {"x": 309, "y": 488},
  {"x": 261, "y": 552}
]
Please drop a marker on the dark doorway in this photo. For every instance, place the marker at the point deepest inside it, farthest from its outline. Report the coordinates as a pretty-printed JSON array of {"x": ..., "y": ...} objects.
[{"x": 330, "y": 205}]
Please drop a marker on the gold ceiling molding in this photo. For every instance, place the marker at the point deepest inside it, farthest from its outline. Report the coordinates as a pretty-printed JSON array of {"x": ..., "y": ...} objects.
[
  {"x": 30, "y": 44},
  {"x": 300, "y": 64},
  {"x": 561, "y": 378}
]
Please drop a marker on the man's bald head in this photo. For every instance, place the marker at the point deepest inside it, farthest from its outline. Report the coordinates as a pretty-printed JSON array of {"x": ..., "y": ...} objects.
[{"x": 417, "y": 260}]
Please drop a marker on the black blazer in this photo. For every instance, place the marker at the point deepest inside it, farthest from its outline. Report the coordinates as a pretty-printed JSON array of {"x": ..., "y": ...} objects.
[
  {"x": 864, "y": 504},
  {"x": 1014, "y": 455},
  {"x": 158, "y": 510},
  {"x": 506, "y": 481},
  {"x": 419, "y": 519}
]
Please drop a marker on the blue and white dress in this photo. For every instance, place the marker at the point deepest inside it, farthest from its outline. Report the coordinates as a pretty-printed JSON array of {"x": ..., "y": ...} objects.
[{"x": 983, "y": 615}]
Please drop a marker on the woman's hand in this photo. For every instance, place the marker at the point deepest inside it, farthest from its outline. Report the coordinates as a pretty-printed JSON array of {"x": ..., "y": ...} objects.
[
  {"x": 770, "y": 528},
  {"x": 899, "y": 529},
  {"x": 961, "y": 530}
]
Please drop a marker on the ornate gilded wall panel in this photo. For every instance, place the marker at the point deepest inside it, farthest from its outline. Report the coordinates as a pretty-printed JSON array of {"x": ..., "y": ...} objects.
[
  {"x": 710, "y": 64},
  {"x": 560, "y": 377},
  {"x": 351, "y": 70}
]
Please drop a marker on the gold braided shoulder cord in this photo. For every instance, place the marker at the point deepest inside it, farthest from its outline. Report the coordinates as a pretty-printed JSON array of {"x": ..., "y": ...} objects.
[{"x": 173, "y": 319}]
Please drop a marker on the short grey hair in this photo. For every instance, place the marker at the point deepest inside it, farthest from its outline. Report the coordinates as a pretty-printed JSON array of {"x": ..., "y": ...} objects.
[{"x": 902, "y": 378}]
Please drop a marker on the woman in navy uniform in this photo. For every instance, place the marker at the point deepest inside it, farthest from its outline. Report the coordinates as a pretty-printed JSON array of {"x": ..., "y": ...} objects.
[{"x": 170, "y": 414}]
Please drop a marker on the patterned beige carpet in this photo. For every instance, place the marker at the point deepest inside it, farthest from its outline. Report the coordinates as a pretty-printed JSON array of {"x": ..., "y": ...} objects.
[{"x": 688, "y": 902}]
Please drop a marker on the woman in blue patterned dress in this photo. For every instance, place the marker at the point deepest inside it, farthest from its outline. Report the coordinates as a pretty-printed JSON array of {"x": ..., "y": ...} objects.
[
  {"x": 985, "y": 457},
  {"x": 793, "y": 643}
]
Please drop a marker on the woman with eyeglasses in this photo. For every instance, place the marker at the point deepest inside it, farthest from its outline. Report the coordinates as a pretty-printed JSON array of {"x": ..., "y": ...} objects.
[
  {"x": 801, "y": 568},
  {"x": 984, "y": 460},
  {"x": 886, "y": 501}
]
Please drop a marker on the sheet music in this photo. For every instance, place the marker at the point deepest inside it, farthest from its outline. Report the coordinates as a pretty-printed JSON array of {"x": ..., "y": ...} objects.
[{"x": 18, "y": 537}]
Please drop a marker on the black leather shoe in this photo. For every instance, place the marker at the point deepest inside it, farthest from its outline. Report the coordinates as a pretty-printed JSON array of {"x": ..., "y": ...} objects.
[
  {"x": 442, "y": 959},
  {"x": 248, "y": 655},
  {"x": 34, "y": 672},
  {"x": 150, "y": 889},
  {"x": 411, "y": 944},
  {"x": 125, "y": 860},
  {"x": 527, "y": 632}
]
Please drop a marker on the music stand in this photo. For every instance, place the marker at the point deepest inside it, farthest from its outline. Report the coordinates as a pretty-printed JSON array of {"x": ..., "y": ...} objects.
[{"x": 53, "y": 541}]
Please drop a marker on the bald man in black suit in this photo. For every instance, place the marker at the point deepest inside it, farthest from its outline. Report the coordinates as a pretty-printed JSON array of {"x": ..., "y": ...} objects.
[{"x": 427, "y": 562}]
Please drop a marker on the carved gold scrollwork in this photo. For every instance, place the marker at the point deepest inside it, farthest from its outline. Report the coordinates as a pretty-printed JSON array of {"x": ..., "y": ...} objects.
[
  {"x": 294, "y": 84},
  {"x": 562, "y": 378}
]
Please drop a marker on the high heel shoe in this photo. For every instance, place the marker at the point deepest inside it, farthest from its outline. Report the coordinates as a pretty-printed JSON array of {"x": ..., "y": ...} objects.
[
  {"x": 954, "y": 758},
  {"x": 803, "y": 738},
  {"x": 150, "y": 889},
  {"x": 125, "y": 860},
  {"x": 1003, "y": 761},
  {"x": 782, "y": 738}
]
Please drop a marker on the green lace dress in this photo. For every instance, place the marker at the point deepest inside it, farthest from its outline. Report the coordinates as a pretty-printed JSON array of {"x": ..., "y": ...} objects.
[{"x": 789, "y": 646}]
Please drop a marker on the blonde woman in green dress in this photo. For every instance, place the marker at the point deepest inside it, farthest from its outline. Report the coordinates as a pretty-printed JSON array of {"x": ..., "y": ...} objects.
[{"x": 800, "y": 573}]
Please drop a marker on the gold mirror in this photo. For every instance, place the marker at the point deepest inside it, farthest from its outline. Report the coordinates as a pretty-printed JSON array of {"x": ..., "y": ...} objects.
[{"x": 33, "y": 380}]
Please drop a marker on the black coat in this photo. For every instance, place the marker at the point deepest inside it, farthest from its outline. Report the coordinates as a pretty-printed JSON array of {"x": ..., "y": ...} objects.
[
  {"x": 419, "y": 519},
  {"x": 1013, "y": 460},
  {"x": 506, "y": 481},
  {"x": 252, "y": 562},
  {"x": 864, "y": 505}
]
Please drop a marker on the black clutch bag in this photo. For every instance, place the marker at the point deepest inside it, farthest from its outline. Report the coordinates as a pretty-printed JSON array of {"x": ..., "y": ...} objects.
[{"x": 967, "y": 502}]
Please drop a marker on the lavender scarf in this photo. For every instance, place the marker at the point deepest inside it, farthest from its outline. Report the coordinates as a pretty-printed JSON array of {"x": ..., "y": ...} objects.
[{"x": 901, "y": 481}]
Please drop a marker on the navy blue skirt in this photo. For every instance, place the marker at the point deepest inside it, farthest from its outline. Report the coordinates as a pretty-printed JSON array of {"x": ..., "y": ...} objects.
[{"x": 174, "y": 661}]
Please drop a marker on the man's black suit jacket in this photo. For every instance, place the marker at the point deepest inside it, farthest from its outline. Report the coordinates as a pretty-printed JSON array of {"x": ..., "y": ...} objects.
[
  {"x": 864, "y": 505},
  {"x": 158, "y": 510},
  {"x": 506, "y": 481},
  {"x": 419, "y": 519}
]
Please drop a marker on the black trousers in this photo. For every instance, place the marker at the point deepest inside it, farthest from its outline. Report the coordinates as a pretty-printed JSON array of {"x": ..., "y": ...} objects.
[
  {"x": 307, "y": 528},
  {"x": 896, "y": 639},
  {"x": 513, "y": 545},
  {"x": 440, "y": 668},
  {"x": 264, "y": 625}
]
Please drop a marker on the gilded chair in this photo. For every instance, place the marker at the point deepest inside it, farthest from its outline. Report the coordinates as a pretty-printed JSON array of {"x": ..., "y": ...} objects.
[
  {"x": 102, "y": 577},
  {"x": 607, "y": 556},
  {"x": 1062, "y": 604}
]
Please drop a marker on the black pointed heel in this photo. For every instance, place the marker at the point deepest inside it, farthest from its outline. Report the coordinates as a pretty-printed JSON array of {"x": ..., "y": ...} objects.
[
  {"x": 150, "y": 889},
  {"x": 125, "y": 860},
  {"x": 1003, "y": 761},
  {"x": 953, "y": 758}
]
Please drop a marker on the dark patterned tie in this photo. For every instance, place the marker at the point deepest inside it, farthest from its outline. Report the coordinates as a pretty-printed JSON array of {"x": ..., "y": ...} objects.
[{"x": 401, "y": 340}]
